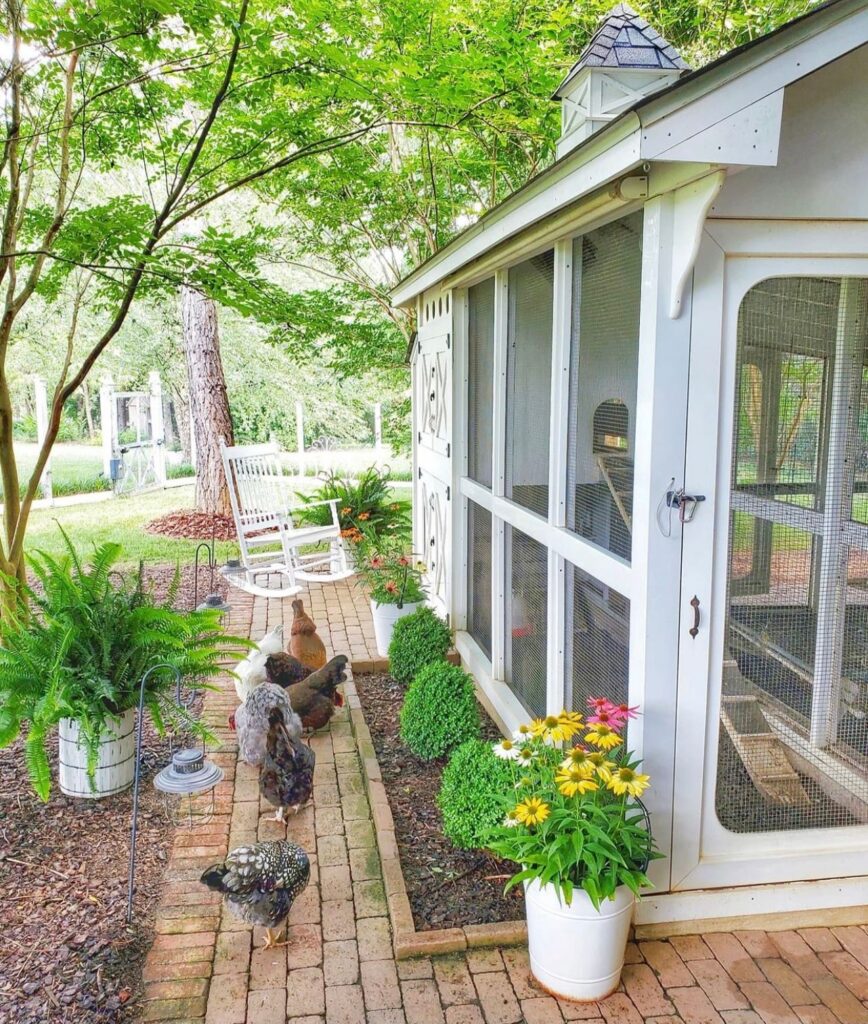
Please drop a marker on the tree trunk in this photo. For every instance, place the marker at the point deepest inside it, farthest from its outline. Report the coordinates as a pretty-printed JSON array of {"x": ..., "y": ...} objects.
[
  {"x": 209, "y": 404},
  {"x": 88, "y": 412}
]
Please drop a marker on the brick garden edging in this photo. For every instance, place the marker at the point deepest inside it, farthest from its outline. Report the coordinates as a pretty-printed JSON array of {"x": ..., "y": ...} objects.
[{"x": 408, "y": 941}]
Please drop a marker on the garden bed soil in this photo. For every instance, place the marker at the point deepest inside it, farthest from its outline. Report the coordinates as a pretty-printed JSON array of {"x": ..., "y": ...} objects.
[
  {"x": 67, "y": 955},
  {"x": 447, "y": 887}
]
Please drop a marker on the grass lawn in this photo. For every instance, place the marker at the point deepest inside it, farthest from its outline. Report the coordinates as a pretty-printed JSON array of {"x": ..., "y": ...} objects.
[
  {"x": 122, "y": 520},
  {"x": 69, "y": 462}
]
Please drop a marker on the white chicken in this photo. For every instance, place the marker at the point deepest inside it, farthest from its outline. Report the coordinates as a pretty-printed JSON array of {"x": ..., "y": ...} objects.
[
  {"x": 250, "y": 671},
  {"x": 250, "y": 721}
]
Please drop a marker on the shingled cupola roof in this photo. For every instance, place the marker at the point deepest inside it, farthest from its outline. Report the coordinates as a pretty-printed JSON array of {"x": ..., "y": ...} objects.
[{"x": 625, "y": 61}]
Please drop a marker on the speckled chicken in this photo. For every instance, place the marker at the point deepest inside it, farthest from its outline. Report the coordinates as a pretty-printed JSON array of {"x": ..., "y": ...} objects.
[
  {"x": 250, "y": 721},
  {"x": 286, "y": 779},
  {"x": 304, "y": 643},
  {"x": 285, "y": 670},
  {"x": 260, "y": 882},
  {"x": 314, "y": 699}
]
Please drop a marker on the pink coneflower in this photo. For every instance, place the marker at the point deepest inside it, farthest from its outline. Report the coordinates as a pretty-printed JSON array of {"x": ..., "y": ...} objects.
[
  {"x": 391, "y": 587},
  {"x": 376, "y": 562},
  {"x": 606, "y": 716}
]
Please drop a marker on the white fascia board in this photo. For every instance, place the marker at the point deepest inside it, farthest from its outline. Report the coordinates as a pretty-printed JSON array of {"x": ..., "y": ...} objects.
[
  {"x": 611, "y": 154},
  {"x": 732, "y": 114}
]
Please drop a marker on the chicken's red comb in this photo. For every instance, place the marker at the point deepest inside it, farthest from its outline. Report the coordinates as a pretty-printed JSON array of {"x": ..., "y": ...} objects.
[
  {"x": 232, "y": 721},
  {"x": 338, "y": 699}
]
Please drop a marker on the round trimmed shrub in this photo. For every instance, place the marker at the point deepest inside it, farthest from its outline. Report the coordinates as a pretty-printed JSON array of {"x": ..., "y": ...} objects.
[
  {"x": 418, "y": 640},
  {"x": 440, "y": 711},
  {"x": 472, "y": 792}
]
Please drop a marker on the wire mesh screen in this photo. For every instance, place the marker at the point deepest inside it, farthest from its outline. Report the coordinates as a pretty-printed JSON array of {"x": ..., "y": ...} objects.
[
  {"x": 598, "y": 640},
  {"x": 794, "y": 733},
  {"x": 479, "y": 575},
  {"x": 528, "y": 387},
  {"x": 527, "y": 619},
  {"x": 480, "y": 379},
  {"x": 605, "y": 353}
]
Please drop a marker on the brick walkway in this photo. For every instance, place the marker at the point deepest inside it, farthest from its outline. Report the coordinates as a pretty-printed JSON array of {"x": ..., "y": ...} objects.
[{"x": 339, "y": 968}]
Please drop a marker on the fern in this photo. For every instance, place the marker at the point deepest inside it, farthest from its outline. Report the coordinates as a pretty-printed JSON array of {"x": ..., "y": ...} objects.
[{"x": 80, "y": 651}]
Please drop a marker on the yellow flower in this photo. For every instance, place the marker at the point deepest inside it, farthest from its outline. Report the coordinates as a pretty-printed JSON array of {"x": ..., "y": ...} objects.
[
  {"x": 572, "y": 717},
  {"x": 625, "y": 780},
  {"x": 554, "y": 728},
  {"x": 602, "y": 766},
  {"x": 574, "y": 780},
  {"x": 580, "y": 758},
  {"x": 603, "y": 736},
  {"x": 532, "y": 811}
]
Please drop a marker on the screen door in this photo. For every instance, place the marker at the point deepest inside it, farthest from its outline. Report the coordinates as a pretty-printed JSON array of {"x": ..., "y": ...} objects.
[{"x": 773, "y": 686}]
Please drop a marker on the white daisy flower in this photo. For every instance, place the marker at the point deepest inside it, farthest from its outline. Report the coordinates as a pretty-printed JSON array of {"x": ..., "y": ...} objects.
[
  {"x": 525, "y": 755},
  {"x": 522, "y": 734},
  {"x": 510, "y": 821},
  {"x": 506, "y": 750}
]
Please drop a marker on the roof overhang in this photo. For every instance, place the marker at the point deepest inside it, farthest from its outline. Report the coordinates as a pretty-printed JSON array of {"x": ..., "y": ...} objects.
[{"x": 726, "y": 114}]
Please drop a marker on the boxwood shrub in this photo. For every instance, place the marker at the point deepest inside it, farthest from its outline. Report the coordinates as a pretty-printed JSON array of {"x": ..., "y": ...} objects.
[
  {"x": 440, "y": 711},
  {"x": 418, "y": 640},
  {"x": 472, "y": 793}
]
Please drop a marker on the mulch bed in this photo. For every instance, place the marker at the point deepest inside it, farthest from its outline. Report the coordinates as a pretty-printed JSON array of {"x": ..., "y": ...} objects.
[
  {"x": 447, "y": 887},
  {"x": 67, "y": 955},
  {"x": 193, "y": 525}
]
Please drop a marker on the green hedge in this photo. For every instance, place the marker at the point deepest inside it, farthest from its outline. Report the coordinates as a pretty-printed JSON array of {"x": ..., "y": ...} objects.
[
  {"x": 440, "y": 711},
  {"x": 472, "y": 791},
  {"x": 418, "y": 640}
]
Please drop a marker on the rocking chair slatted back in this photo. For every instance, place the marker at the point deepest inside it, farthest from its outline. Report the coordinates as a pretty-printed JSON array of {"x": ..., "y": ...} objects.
[{"x": 261, "y": 498}]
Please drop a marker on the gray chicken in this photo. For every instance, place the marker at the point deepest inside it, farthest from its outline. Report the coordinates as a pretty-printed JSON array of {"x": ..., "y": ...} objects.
[
  {"x": 286, "y": 779},
  {"x": 251, "y": 721},
  {"x": 260, "y": 883}
]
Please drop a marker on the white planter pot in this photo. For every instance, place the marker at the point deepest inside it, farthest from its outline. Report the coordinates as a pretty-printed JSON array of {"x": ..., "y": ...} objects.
[
  {"x": 385, "y": 616},
  {"x": 115, "y": 765},
  {"x": 575, "y": 951}
]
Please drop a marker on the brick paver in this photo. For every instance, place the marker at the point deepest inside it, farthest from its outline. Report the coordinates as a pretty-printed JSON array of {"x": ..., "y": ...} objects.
[{"x": 338, "y": 966}]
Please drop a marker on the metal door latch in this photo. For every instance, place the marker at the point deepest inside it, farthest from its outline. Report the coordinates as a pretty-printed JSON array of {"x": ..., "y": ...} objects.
[{"x": 684, "y": 502}]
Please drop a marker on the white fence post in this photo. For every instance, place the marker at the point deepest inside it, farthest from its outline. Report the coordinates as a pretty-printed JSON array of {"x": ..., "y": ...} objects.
[
  {"x": 41, "y": 431},
  {"x": 158, "y": 428},
  {"x": 106, "y": 425},
  {"x": 299, "y": 436},
  {"x": 378, "y": 433}
]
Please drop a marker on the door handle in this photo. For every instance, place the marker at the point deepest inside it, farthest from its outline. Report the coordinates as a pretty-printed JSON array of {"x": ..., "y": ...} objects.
[{"x": 694, "y": 604}]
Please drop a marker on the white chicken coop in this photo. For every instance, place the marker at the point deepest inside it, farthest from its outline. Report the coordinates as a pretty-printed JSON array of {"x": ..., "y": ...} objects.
[{"x": 641, "y": 451}]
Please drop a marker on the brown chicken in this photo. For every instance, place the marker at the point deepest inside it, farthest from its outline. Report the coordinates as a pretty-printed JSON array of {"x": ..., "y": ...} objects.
[
  {"x": 284, "y": 669},
  {"x": 304, "y": 643},
  {"x": 314, "y": 699}
]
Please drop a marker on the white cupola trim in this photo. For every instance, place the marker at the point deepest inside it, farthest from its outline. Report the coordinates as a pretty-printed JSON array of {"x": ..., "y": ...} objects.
[{"x": 625, "y": 61}]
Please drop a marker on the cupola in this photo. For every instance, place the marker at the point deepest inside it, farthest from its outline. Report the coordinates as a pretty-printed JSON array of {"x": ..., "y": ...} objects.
[{"x": 625, "y": 61}]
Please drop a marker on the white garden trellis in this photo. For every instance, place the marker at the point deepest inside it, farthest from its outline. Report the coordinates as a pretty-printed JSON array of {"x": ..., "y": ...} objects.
[{"x": 138, "y": 464}]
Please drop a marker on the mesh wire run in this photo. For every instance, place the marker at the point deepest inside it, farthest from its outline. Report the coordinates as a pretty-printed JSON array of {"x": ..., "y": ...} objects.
[
  {"x": 480, "y": 380},
  {"x": 793, "y": 738},
  {"x": 479, "y": 575},
  {"x": 527, "y": 619}
]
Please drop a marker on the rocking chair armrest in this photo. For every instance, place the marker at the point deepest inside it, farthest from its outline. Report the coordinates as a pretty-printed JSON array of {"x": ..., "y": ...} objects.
[{"x": 328, "y": 501}]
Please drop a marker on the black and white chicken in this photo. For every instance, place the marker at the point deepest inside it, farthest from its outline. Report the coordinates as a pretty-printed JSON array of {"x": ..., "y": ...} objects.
[
  {"x": 250, "y": 721},
  {"x": 286, "y": 779},
  {"x": 260, "y": 883}
]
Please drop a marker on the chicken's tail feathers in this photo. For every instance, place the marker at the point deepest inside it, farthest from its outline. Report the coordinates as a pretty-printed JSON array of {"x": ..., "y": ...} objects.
[{"x": 214, "y": 877}]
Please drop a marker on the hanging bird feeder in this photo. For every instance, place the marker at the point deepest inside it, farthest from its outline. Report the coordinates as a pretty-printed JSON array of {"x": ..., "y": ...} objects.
[{"x": 188, "y": 787}]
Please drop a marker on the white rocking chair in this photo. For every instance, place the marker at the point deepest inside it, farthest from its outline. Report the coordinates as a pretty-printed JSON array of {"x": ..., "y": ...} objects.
[{"x": 260, "y": 505}]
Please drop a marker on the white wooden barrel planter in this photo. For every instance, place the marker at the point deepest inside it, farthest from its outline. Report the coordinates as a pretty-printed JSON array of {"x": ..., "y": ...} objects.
[{"x": 115, "y": 764}]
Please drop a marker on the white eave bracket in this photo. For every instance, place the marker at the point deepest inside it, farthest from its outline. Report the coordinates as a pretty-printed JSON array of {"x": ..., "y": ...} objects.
[{"x": 691, "y": 205}]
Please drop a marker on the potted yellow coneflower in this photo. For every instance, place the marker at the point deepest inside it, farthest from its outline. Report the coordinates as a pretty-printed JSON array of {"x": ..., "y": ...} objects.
[{"x": 575, "y": 824}]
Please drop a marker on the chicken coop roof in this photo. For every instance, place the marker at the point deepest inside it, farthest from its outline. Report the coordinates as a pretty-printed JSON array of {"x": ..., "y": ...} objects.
[
  {"x": 527, "y": 205},
  {"x": 625, "y": 40}
]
